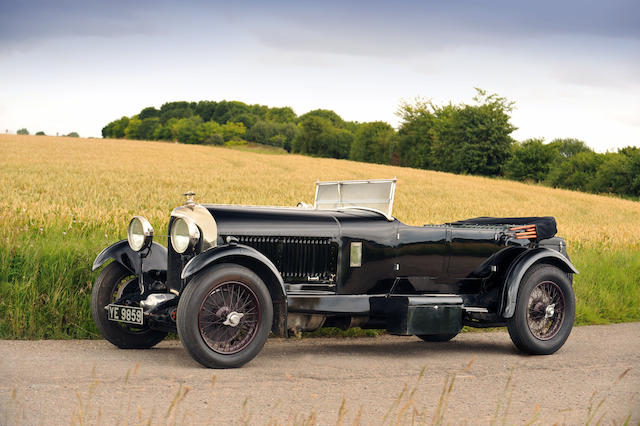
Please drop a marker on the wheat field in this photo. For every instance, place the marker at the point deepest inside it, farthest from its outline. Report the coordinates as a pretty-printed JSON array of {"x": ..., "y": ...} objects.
[
  {"x": 47, "y": 181},
  {"x": 64, "y": 199}
]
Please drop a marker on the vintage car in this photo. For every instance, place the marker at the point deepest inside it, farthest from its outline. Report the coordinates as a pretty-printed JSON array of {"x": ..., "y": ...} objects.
[{"x": 232, "y": 274}]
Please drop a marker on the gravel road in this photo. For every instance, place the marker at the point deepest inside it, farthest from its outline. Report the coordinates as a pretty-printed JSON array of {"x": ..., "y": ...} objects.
[{"x": 328, "y": 381}]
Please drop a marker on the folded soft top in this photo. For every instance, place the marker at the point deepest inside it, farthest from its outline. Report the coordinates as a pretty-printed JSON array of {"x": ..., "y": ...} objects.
[{"x": 545, "y": 225}]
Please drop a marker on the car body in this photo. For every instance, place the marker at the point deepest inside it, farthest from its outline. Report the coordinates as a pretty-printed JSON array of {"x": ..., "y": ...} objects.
[{"x": 231, "y": 274}]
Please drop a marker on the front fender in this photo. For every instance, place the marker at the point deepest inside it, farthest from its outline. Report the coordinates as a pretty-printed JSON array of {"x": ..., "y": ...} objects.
[
  {"x": 156, "y": 259},
  {"x": 216, "y": 254},
  {"x": 521, "y": 265},
  {"x": 254, "y": 260}
]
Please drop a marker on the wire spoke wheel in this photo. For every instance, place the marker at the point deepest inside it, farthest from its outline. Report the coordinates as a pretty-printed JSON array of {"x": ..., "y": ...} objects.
[
  {"x": 545, "y": 310},
  {"x": 229, "y": 317}
]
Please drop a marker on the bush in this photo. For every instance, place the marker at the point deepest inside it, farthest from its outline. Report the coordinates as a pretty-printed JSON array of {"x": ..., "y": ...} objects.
[
  {"x": 373, "y": 143},
  {"x": 22, "y": 131},
  {"x": 530, "y": 160},
  {"x": 40, "y": 133},
  {"x": 73, "y": 135}
]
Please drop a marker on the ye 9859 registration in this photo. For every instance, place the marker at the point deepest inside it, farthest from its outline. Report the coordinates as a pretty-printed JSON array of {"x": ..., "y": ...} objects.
[{"x": 128, "y": 314}]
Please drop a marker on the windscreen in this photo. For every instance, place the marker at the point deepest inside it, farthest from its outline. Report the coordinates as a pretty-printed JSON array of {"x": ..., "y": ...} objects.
[{"x": 372, "y": 194}]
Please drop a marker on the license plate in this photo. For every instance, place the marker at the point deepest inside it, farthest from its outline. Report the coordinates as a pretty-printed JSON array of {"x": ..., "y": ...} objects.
[{"x": 128, "y": 314}]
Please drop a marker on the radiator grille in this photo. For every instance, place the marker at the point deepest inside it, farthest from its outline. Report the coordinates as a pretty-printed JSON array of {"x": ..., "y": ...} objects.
[{"x": 299, "y": 259}]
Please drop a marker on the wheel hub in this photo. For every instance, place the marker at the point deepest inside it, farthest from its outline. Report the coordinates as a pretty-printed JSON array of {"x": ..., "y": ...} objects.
[
  {"x": 233, "y": 319},
  {"x": 550, "y": 311}
]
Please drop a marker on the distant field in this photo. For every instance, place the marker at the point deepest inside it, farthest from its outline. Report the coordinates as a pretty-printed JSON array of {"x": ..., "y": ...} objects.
[{"x": 64, "y": 199}]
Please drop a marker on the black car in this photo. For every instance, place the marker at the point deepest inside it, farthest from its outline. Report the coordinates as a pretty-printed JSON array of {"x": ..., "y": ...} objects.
[{"x": 232, "y": 274}]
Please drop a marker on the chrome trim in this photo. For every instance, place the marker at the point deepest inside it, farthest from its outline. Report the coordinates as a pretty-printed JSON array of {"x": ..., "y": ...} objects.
[
  {"x": 203, "y": 219},
  {"x": 475, "y": 309}
]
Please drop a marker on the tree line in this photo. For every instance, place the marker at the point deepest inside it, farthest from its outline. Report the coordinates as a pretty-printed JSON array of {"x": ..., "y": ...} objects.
[{"x": 461, "y": 138}]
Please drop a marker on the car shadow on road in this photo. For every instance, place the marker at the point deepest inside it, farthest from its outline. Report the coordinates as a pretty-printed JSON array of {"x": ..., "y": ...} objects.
[
  {"x": 286, "y": 350},
  {"x": 375, "y": 348}
]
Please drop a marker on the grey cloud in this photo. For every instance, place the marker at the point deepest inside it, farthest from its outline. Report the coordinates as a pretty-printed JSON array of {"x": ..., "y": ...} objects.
[{"x": 384, "y": 29}]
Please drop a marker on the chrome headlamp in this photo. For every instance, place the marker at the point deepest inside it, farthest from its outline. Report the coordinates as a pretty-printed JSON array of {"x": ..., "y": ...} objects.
[
  {"x": 139, "y": 233},
  {"x": 184, "y": 234}
]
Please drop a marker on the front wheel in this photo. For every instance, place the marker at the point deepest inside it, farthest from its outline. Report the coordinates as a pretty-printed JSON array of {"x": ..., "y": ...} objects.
[
  {"x": 545, "y": 311},
  {"x": 224, "y": 316},
  {"x": 113, "y": 282}
]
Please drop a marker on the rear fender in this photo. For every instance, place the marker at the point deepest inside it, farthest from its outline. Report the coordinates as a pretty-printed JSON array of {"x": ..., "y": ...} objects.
[
  {"x": 519, "y": 268},
  {"x": 155, "y": 260},
  {"x": 258, "y": 263}
]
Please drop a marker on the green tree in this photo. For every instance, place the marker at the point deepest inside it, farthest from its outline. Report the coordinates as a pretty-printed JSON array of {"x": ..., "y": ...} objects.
[
  {"x": 147, "y": 128},
  {"x": 569, "y": 147},
  {"x": 340, "y": 145},
  {"x": 632, "y": 169},
  {"x": 211, "y": 133},
  {"x": 233, "y": 131},
  {"x": 612, "y": 175},
  {"x": 131, "y": 132},
  {"x": 189, "y": 130},
  {"x": 40, "y": 133},
  {"x": 577, "y": 172},
  {"x": 530, "y": 160},
  {"x": 474, "y": 139},
  {"x": 177, "y": 110},
  {"x": 164, "y": 132},
  {"x": 318, "y": 137},
  {"x": 226, "y": 111},
  {"x": 273, "y": 133},
  {"x": 415, "y": 135},
  {"x": 281, "y": 115},
  {"x": 205, "y": 109},
  {"x": 373, "y": 143},
  {"x": 22, "y": 131},
  {"x": 73, "y": 135},
  {"x": 149, "y": 112},
  {"x": 116, "y": 128},
  {"x": 326, "y": 114}
]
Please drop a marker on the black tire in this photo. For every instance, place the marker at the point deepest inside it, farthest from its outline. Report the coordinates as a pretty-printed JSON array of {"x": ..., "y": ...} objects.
[
  {"x": 444, "y": 337},
  {"x": 209, "y": 324},
  {"x": 545, "y": 311},
  {"x": 113, "y": 281}
]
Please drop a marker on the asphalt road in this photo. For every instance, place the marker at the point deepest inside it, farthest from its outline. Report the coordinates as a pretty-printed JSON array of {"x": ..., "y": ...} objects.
[{"x": 478, "y": 378}]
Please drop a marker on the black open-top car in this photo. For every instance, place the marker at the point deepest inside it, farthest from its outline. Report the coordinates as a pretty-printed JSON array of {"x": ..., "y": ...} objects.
[{"x": 232, "y": 274}]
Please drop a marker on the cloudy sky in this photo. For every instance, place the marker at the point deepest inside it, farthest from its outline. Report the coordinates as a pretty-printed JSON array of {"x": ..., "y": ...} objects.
[{"x": 572, "y": 68}]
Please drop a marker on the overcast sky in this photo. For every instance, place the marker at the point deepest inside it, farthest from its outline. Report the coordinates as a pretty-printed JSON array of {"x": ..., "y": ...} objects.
[{"x": 572, "y": 68}]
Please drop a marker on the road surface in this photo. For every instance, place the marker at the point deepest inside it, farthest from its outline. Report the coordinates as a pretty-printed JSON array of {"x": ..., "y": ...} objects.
[{"x": 478, "y": 378}]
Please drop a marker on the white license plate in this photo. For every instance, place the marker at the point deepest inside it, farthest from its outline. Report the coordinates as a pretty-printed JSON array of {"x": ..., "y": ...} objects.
[{"x": 128, "y": 314}]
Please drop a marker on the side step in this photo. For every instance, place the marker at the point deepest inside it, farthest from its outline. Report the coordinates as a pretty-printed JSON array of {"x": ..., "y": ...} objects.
[{"x": 409, "y": 315}]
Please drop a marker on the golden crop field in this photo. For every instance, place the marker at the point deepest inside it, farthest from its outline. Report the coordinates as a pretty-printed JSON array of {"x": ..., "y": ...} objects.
[{"x": 54, "y": 181}]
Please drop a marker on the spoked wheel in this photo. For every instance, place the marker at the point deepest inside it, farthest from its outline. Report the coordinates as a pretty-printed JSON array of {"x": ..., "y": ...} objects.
[
  {"x": 224, "y": 316},
  {"x": 545, "y": 310},
  {"x": 113, "y": 282},
  {"x": 229, "y": 317}
]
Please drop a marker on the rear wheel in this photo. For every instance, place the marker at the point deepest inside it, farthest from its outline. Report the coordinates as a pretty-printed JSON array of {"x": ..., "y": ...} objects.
[
  {"x": 444, "y": 337},
  {"x": 224, "y": 316},
  {"x": 113, "y": 282},
  {"x": 545, "y": 311}
]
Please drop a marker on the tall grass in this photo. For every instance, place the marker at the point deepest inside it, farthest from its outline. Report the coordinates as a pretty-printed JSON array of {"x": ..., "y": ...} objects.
[
  {"x": 409, "y": 407},
  {"x": 64, "y": 199}
]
